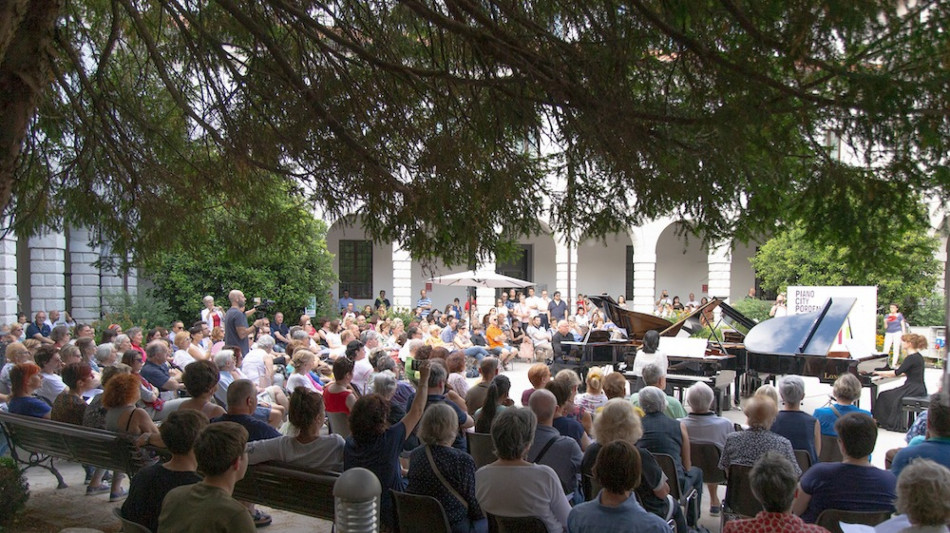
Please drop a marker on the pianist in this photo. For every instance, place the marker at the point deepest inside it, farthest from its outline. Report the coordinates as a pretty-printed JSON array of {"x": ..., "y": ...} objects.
[
  {"x": 649, "y": 354},
  {"x": 563, "y": 334}
]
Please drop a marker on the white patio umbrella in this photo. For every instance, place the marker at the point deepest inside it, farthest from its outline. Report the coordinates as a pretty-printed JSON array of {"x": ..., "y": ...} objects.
[{"x": 480, "y": 278}]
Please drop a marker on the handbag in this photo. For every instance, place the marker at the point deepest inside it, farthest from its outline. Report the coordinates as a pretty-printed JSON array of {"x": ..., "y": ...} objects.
[{"x": 442, "y": 479}]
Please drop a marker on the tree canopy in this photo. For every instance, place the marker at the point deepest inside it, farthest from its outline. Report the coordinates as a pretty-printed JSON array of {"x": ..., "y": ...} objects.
[
  {"x": 905, "y": 275},
  {"x": 445, "y": 123}
]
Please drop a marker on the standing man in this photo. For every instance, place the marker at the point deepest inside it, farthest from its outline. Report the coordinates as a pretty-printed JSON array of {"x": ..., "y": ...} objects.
[
  {"x": 543, "y": 310},
  {"x": 345, "y": 301},
  {"x": 534, "y": 304},
  {"x": 38, "y": 329},
  {"x": 424, "y": 303},
  {"x": 381, "y": 301},
  {"x": 557, "y": 309},
  {"x": 235, "y": 322},
  {"x": 894, "y": 327}
]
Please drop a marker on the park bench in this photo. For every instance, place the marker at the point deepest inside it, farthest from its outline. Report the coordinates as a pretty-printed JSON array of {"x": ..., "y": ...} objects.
[{"x": 289, "y": 488}]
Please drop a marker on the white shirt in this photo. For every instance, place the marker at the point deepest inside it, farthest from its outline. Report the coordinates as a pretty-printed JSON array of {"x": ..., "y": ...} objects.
[
  {"x": 182, "y": 358},
  {"x": 324, "y": 454},
  {"x": 643, "y": 359},
  {"x": 254, "y": 368},
  {"x": 535, "y": 304},
  {"x": 523, "y": 491},
  {"x": 362, "y": 370},
  {"x": 51, "y": 387}
]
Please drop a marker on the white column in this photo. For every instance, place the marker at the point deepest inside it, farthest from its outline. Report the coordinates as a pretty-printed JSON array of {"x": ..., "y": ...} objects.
[
  {"x": 402, "y": 278},
  {"x": 85, "y": 276},
  {"x": 566, "y": 258},
  {"x": 8, "y": 286},
  {"x": 485, "y": 296},
  {"x": 644, "y": 281},
  {"x": 720, "y": 270},
  {"x": 48, "y": 272}
]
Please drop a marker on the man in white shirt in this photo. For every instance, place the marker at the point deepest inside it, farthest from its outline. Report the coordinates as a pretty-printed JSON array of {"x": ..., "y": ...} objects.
[
  {"x": 50, "y": 363},
  {"x": 543, "y": 308},
  {"x": 541, "y": 338}
]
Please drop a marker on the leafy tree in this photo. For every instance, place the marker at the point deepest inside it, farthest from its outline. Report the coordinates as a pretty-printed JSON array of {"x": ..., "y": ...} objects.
[
  {"x": 792, "y": 258},
  {"x": 443, "y": 122},
  {"x": 297, "y": 268}
]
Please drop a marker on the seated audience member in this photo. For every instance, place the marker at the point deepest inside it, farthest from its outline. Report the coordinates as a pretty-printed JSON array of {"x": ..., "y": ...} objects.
[
  {"x": 496, "y": 402},
  {"x": 594, "y": 397},
  {"x": 384, "y": 386},
  {"x": 618, "y": 420},
  {"x": 207, "y": 506},
  {"x": 339, "y": 396},
  {"x": 799, "y": 427},
  {"x": 119, "y": 398},
  {"x": 242, "y": 404},
  {"x": 258, "y": 364},
  {"x": 201, "y": 381},
  {"x": 923, "y": 500},
  {"x": 437, "y": 394},
  {"x": 662, "y": 434},
  {"x": 455, "y": 364},
  {"x": 704, "y": 427},
  {"x": 106, "y": 355},
  {"x": 362, "y": 368},
  {"x": 538, "y": 375},
  {"x": 148, "y": 392},
  {"x": 550, "y": 448},
  {"x": 937, "y": 446},
  {"x": 745, "y": 447},
  {"x": 615, "y": 509},
  {"x": 303, "y": 361},
  {"x": 773, "y": 480},
  {"x": 654, "y": 376},
  {"x": 95, "y": 415},
  {"x": 16, "y": 353},
  {"x": 511, "y": 486},
  {"x": 70, "y": 407},
  {"x": 475, "y": 399},
  {"x": 150, "y": 485},
  {"x": 846, "y": 390},
  {"x": 156, "y": 372},
  {"x": 615, "y": 386},
  {"x": 566, "y": 425},
  {"x": 851, "y": 485},
  {"x": 24, "y": 380},
  {"x": 308, "y": 448},
  {"x": 50, "y": 361},
  {"x": 181, "y": 358},
  {"x": 436, "y": 463},
  {"x": 375, "y": 445}
]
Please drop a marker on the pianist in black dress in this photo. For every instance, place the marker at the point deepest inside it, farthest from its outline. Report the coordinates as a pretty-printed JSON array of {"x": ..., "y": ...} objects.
[{"x": 887, "y": 407}]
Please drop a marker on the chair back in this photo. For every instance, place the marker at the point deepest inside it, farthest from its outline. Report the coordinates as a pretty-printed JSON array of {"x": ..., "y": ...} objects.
[
  {"x": 594, "y": 486},
  {"x": 515, "y": 524},
  {"x": 129, "y": 526},
  {"x": 830, "y": 519},
  {"x": 481, "y": 448},
  {"x": 339, "y": 424},
  {"x": 830, "y": 453},
  {"x": 739, "y": 497},
  {"x": 416, "y": 513},
  {"x": 804, "y": 459},
  {"x": 669, "y": 468},
  {"x": 706, "y": 456}
]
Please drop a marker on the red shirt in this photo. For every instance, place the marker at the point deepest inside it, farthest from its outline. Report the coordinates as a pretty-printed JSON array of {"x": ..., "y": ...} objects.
[
  {"x": 766, "y": 522},
  {"x": 335, "y": 402}
]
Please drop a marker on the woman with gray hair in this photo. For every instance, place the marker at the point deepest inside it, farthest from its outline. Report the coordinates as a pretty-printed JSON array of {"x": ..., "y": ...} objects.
[
  {"x": 438, "y": 470},
  {"x": 923, "y": 499},
  {"x": 106, "y": 354},
  {"x": 705, "y": 427},
  {"x": 385, "y": 385},
  {"x": 846, "y": 390},
  {"x": 514, "y": 487},
  {"x": 799, "y": 427},
  {"x": 746, "y": 447}
]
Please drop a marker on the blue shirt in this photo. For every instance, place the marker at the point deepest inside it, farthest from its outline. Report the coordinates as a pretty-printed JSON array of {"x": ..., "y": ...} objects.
[
  {"x": 28, "y": 406},
  {"x": 799, "y": 428},
  {"x": 381, "y": 457},
  {"x": 827, "y": 418},
  {"x": 32, "y": 329},
  {"x": 256, "y": 429},
  {"x": 847, "y": 487},
  {"x": 448, "y": 335},
  {"x": 594, "y": 517},
  {"x": 424, "y": 301},
  {"x": 155, "y": 374},
  {"x": 345, "y": 302},
  {"x": 569, "y": 428},
  {"x": 461, "y": 442},
  {"x": 936, "y": 449}
]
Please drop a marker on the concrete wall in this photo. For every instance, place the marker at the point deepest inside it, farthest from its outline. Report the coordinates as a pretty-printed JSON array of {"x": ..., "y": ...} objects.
[
  {"x": 681, "y": 264},
  {"x": 382, "y": 259},
  {"x": 602, "y": 267},
  {"x": 743, "y": 276}
]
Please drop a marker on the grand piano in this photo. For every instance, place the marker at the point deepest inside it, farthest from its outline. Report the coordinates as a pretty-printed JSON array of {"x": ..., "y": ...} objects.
[{"x": 803, "y": 345}]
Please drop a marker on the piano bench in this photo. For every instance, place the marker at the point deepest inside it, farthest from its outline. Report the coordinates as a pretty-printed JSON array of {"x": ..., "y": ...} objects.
[{"x": 913, "y": 406}]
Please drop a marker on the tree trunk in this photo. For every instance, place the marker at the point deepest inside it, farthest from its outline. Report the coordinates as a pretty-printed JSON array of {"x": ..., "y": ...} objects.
[{"x": 26, "y": 29}]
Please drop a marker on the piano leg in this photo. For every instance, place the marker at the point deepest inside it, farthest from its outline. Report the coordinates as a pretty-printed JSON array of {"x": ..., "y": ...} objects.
[{"x": 873, "y": 390}]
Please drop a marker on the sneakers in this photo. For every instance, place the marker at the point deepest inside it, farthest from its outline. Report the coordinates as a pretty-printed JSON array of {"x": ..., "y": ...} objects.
[
  {"x": 92, "y": 491},
  {"x": 118, "y": 496},
  {"x": 261, "y": 519}
]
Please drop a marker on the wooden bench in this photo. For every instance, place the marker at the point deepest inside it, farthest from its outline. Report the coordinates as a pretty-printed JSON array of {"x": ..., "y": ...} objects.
[
  {"x": 45, "y": 439},
  {"x": 290, "y": 488}
]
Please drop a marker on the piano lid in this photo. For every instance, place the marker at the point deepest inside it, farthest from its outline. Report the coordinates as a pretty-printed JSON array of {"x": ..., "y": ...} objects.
[
  {"x": 637, "y": 324},
  {"x": 805, "y": 334},
  {"x": 691, "y": 322},
  {"x": 737, "y": 320}
]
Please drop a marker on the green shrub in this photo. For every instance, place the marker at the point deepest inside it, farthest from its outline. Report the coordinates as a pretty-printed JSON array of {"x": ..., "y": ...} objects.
[
  {"x": 757, "y": 310},
  {"x": 931, "y": 312},
  {"x": 14, "y": 490},
  {"x": 128, "y": 310}
]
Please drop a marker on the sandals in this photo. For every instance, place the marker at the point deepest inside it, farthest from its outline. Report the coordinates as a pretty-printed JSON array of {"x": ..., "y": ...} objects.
[
  {"x": 261, "y": 519},
  {"x": 118, "y": 496}
]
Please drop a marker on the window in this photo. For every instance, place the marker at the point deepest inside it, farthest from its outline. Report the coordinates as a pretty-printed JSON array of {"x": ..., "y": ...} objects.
[
  {"x": 519, "y": 267},
  {"x": 628, "y": 287},
  {"x": 356, "y": 268}
]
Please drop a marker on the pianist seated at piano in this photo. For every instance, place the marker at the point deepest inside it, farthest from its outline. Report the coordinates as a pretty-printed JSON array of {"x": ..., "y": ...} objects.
[
  {"x": 887, "y": 408},
  {"x": 799, "y": 427},
  {"x": 846, "y": 390},
  {"x": 654, "y": 376},
  {"x": 648, "y": 354}
]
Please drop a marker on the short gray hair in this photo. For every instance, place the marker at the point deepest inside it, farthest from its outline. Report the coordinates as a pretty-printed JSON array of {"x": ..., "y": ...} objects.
[
  {"x": 773, "y": 480},
  {"x": 652, "y": 374},
  {"x": 847, "y": 388},
  {"x": 439, "y": 425},
  {"x": 437, "y": 373},
  {"x": 384, "y": 384},
  {"x": 652, "y": 400},
  {"x": 265, "y": 342},
  {"x": 923, "y": 493},
  {"x": 414, "y": 344},
  {"x": 699, "y": 397},
  {"x": 512, "y": 432},
  {"x": 297, "y": 333},
  {"x": 104, "y": 351},
  {"x": 617, "y": 421},
  {"x": 368, "y": 335},
  {"x": 222, "y": 358},
  {"x": 792, "y": 389},
  {"x": 121, "y": 339},
  {"x": 155, "y": 348}
]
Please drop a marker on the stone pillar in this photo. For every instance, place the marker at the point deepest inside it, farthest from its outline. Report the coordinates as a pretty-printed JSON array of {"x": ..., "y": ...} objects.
[
  {"x": 85, "y": 304},
  {"x": 8, "y": 281},
  {"x": 720, "y": 270},
  {"x": 483, "y": 295},
  {"x": 566, "y": 258},
  {"x": 402, "y": 278},
  {"x": 48, "y": 272},
  {"x": 644, "y": 281}
]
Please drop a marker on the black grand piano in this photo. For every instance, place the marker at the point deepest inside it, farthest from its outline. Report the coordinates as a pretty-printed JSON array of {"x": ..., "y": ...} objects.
[{"x": 802, "y": 345}]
